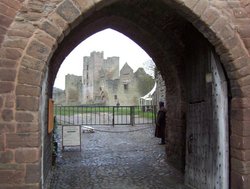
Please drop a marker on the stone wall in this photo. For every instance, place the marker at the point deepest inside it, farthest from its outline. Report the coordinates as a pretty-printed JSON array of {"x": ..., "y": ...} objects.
[{"x": 36, "y": 35}]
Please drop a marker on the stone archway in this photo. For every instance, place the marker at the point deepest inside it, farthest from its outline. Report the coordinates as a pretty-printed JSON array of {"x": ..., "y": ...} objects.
[{"x": 26, "y": 57}]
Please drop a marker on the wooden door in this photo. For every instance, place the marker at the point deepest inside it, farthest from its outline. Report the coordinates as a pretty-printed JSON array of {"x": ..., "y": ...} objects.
[{"x": 207, "y": 126}]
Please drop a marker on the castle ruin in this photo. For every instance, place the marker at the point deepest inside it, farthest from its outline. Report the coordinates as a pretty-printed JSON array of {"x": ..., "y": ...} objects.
[{"x": 103, "y": 84}]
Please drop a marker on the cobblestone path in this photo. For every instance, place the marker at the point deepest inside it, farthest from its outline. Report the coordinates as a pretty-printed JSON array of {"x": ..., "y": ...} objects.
[{"x": 123, "y": 157}]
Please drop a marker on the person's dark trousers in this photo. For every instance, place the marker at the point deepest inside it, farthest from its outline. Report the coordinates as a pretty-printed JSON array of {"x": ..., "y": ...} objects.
[{"x": 163, "y": 140}]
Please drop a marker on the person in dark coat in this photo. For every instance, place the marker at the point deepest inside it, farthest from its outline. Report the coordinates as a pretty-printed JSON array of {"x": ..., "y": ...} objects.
[{"x": 161, "y": 123}]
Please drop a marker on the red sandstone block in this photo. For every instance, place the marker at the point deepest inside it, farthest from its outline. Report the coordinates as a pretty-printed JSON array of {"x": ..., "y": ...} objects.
[
  {"x": 13, "y": 4},
  {"x": 190, "y": 3},
  {"x": 239, "y": 181},
  {"x": 27, "y": 155},
  {"x": 27, "y": 127},
  {"x": 22, "y": 140},
  {"x": 7, "y": 74},
  {"x": 68, "y": 11},
  {"x": 240, "y": 142},
  {"x": 6, "y": 63},
  {"x": 243, "y": 155},
  {"x": 2, "y": 141},
  {"x": 11, "y": 173},
  {"x": 29, "y": 76},
  {"x": 238, "y": 103},
  {"x": 244, "y": 31},
  {"x": 1, "y": 102},
  {"x": 7, "y": 127},
  {"x": 5, "y": 21},
  {"x": 20, "y": 186},
  {"x": 7, "y": 115},
  {"x": 38, "y": 50},
  {"x": 7, "y": 11},
  {"x": 6, "y": 156},
  {"x": 27, "y": 103},
  {"x": 28, "y": 90},
  {"x": 10, "y": 53},
  {"x": 241, "y": 114},
  {"x": 241, "y": 128},
  {"x": 32, "y": 63},
  {"x": 242, "y": 167},
  {"x": 6, "y": 87},
  {"x": 200, "y": 7},
  {"x": 33, "y": 173},
  {"x": 210, "y": 15},
  {"x": 10, "y": 101},
  {"x": 24, "y": 116}
]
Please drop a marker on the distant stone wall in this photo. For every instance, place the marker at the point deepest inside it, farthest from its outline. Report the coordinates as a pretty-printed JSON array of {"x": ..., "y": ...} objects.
[
  {"x": 73, "y": 89},
  {"x": 160, "y": 92}
]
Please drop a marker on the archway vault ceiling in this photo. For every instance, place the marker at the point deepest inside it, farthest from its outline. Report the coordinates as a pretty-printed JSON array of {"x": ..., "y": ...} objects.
[{"x": 158, "y": 29}]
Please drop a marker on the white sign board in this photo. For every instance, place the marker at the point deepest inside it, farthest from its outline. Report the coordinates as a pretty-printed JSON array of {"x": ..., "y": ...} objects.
[{"x": 71, "y": 136}]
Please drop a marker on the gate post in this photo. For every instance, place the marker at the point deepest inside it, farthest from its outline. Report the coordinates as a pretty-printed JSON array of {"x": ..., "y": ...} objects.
[
  {"x": 113, "y": 119},
  {"x": 132, "y": 115}
]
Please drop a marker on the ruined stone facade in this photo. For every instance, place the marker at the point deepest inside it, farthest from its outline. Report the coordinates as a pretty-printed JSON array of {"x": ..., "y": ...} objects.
[
  {"x": 35, "y": 37},
  {"x": 103, "y": 84}
]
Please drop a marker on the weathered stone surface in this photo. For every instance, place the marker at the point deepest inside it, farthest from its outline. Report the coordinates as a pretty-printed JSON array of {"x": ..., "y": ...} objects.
[
  {"x": 22, "y": 140},
  {"x": 9, "y": 101},
  {"x": 16, "y": 43},
  {"x": 240, "y": 128},
  {"x": 210, "y": 15},
  {"x": 243, "y": 155},
  {"x": 27, "y": 155},
  {"x": 7, "y": 11},
  {"x": 5, "y": 21},
  {"x": 241, "y": 114},
  {"x": 28, "y": 90},
  {"x": 2, "y": 142},
  {"x": 6, "y": 87},
  {"x": 84, "y": 5},
  {"x": 239, "y": 181},
  {"x": 191, "y": 3},
  {"x": 32, "y": 63},
  {"x": 24, "y": 116},
  {"x": 59, "y": 21},
  {"x": 45, "y": 38},
  {"x": 51, "y": 29},
  {"x": 10, "y": 53},
  {"x": 33, "y": 173},
  {"x": 13, "y": 4},
  {"x": 6, "y": 156},
  {"x": 38, "y": 50},
  {"x": 237, "y": 103},
  {"x": 200, "y": 7},
  {"x": 7, "y": 115},
  {"x": 27, "y": 103},
  {"x": 240, "y": 142},
  {"x": 7, "y": 127},
  {"x": 6, "y": 63},
  {"x": 29, "y": 76},
  {"x": 1, "y": 102},
  {"x": 242, "y": 167},
  {"x": 68, "y": 11},
  {"x": 27, "y": 127},
  {"x": 7, "y": 74}
]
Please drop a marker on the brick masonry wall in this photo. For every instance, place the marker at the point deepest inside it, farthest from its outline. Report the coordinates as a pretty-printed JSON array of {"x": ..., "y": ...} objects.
[{"x": 30, "y": 32}]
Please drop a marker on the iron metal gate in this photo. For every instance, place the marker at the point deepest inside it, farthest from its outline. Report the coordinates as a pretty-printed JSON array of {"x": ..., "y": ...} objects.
[{"x": 104, "y": 115}]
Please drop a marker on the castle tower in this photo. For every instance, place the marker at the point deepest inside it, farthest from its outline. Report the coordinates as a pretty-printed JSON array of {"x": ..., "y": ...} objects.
[{"x": 96, "y": 70}]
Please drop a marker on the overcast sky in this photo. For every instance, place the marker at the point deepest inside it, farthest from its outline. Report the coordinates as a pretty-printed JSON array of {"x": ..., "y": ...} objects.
[{"x": 112, "y": 43}]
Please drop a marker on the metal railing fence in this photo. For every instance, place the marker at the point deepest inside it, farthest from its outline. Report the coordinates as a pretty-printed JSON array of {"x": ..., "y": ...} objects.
[{"x": 104, "y": 115}]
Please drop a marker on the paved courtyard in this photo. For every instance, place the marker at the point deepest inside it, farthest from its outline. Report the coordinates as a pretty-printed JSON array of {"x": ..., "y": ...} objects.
[{"x": 120, "y": 157}]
